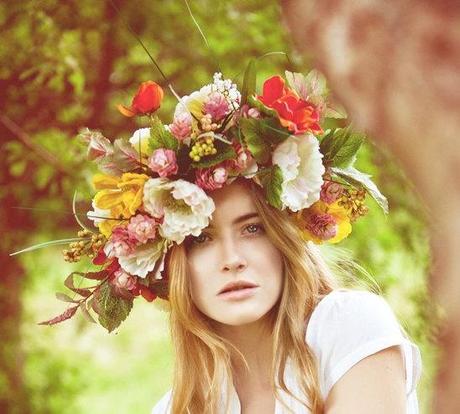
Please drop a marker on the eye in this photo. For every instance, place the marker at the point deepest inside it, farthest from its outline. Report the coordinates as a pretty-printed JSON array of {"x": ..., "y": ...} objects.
[
  {"x": 254, "y": 228},
  {"x": 193, "y": 240}
]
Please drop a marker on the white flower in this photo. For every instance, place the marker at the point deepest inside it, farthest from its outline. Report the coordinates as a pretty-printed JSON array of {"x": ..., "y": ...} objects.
[
  {"x": 143, "y": 259},
  {"x": 184, "y": 207},
  {"x": 301, "y": 164},
  {"x": 142, "y": 135},
  {"x": 156, "y": 195},
  {"x": 98, "y": 215}
]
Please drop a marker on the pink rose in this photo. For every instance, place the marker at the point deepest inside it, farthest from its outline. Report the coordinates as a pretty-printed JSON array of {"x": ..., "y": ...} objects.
[
  {"x": 163, "y": 161},
  {"x": 331, "y": 192},
  {"x": 181, "y": 127},
  {"x": 121, "y": 243},
  {"x": 123, "y": 280},
  {"x": 216, "y": 106},
  {"x": 211, "y": 178},
  {"x": 142, "y": 227},
  {"x": 322, "y": 225}
]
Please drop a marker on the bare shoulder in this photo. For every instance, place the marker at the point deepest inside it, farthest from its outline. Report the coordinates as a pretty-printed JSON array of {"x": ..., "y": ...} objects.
[{"x": 375, "y": 384}]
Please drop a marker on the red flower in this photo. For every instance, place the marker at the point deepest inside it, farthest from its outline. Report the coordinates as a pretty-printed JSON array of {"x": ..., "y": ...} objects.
[
  {"x": 294, "y": 113},
  {"x": 147, "y": 100}
]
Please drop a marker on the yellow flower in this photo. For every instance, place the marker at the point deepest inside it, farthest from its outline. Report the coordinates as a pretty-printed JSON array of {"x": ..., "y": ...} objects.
[
  {"x": 324, "y": 222},
  {"x": 121, "y": 195}
]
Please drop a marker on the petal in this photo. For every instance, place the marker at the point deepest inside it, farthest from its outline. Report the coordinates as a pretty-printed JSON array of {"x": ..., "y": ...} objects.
[
  {"x": 129, "y": 112},
  {"x": 273, "y": 89}
]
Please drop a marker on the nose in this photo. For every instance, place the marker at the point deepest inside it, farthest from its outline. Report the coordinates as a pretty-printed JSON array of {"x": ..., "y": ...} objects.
[{"x": 232, "y": 259}]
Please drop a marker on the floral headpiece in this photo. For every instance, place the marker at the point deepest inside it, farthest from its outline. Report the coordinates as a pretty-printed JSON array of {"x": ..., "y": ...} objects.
[{"x": 153, "y": 189}]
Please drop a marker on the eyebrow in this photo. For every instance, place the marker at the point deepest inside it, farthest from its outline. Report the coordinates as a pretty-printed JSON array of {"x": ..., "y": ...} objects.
[{"x": 242, "y": 218}]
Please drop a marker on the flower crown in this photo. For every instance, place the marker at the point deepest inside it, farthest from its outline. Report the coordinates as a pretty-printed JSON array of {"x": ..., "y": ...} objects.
[{"x": 153, "y": 189}]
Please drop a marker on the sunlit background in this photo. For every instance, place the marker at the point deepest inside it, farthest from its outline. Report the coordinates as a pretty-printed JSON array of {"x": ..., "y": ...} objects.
[{"x": 65, "y": 65}]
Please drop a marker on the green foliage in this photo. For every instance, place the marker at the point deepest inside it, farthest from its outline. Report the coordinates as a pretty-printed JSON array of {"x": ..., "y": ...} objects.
[
  {"x": 273, "y": 187},
  {"x": 260, "y": 134},
  {"x": 113, "y": 309},
  {"x": 340, "y": 146},
  {"x": 67, "y": 66},
  {"x": 160, "y": 137}
]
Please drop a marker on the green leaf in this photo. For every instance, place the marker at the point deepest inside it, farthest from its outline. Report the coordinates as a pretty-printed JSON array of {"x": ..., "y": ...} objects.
[
  {"x": 160, "y": 137},
  {"x": 259, "y": 148},
  {"x": 259, "y": 134},
  {"x": 113, "y": 309},
  {"x": 354, "y": 177},
  {"x": 249, "y": 81},
  {"x": 340, "y": 146},
  {"x": 224, "y": 152},
  {"x": 273, "y": 187},
  {"x": 255, "y": 103}
]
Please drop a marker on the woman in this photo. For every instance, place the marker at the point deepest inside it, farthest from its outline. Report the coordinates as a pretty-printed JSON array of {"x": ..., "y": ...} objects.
[
  {"x": 217, "y": 212},
  {"x": 340, "y": 351}
]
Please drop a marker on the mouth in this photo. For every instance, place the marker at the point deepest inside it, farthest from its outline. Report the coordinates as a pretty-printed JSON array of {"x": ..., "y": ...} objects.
[
  {"x": 237, "y": 286},
  {"x": 239, "y": 293}
]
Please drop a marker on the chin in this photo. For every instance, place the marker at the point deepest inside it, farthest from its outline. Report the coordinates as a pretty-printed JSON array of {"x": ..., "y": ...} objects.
[{"x": 241, "y": 317}]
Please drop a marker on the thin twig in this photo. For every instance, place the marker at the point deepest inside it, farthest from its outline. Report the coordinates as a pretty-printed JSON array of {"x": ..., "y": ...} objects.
[{"x": 25, "y": 138}]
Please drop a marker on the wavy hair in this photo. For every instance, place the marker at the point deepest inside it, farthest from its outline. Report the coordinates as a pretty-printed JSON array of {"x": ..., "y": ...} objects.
[{"x": 203, "y": 358}]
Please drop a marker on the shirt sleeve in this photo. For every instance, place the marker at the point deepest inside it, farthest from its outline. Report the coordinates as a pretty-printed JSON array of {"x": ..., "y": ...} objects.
[
  {"x": 349, "y": 325},
  {"x": 163, "y": 406}
]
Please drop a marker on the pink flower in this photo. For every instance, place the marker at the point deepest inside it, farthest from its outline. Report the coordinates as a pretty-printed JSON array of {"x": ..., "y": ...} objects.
[
  {"x": 142, "y": 227},
  {"x": 217, "y": 106},
  {"x": 211, "y": 178},
  {"x": 247, "y": 112},
  {"x": 322, "y": 225},
  {"x": 244, "y": 161},
  {"x": 181, "y": 127},
  {"x": 121, "y": 243},
  {"x": 123, "y": 280},
  {"x": 163, "y": 161},
  {"x": 331, "y": 192}
]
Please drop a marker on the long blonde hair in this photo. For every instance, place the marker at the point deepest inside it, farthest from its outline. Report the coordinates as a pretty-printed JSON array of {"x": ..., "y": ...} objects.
[{"x": 202, "y": 356}]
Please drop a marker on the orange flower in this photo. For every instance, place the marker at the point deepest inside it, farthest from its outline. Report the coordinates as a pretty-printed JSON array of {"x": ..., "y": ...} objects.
[
  {"x": 146, "y": 101},
  {"x": 294, "y": 113}
]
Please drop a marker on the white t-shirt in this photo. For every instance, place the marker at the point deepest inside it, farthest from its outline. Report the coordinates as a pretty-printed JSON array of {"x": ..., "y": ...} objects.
[{"x": 345, "y": 327}]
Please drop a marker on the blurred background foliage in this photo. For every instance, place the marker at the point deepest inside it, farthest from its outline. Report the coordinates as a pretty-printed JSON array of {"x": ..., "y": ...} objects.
[{"x": 65, "y": 65}]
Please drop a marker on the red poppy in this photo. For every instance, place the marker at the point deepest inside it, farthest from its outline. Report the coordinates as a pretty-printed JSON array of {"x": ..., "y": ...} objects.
[
  {"x": 146, "y": 101},
  {"x": 294, "y": 113}
]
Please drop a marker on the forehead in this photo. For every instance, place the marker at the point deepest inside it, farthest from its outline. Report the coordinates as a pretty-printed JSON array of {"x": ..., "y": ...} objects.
[{"x": 231, "y": 201}]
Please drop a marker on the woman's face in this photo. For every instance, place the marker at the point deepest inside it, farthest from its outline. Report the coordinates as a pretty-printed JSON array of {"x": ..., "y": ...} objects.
[{"x": 234, "y": 248}]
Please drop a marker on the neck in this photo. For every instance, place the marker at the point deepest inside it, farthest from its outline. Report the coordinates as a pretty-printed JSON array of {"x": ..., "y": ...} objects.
[{"x": 254, "y": 341}]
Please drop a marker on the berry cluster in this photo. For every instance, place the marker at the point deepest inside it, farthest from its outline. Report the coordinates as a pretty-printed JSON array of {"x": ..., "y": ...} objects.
[{"x": 88, "y": 247}]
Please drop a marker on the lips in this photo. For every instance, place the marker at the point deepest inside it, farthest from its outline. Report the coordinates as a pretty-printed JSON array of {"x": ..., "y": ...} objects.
[{"x": 237, "y": 285}]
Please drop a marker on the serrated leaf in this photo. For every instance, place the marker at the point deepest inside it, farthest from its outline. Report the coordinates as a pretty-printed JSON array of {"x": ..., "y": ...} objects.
[
  {"x": 355, "y": 177},
  {"x": 249, "y": 81},
  {"x": 62, "y": 317},
  {"x": 113, "y": 309},
  {"x": 273, "y": 188},
  {"x": 65, "y": 298},
  {"x": 160, "y": 137},
  {"x": 125, "y": 157},
  {"x": 259, "y": 134},
  {"x": 340, "y": 146},
  {"x": 259, "y": 148}
]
